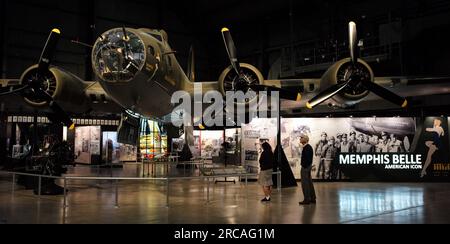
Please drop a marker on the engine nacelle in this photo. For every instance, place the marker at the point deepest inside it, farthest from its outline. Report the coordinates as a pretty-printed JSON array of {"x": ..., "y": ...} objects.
[
  {"x": 64, "y": 87},
  {"x": 339, "y": 73},
  {"x": 229, "y": 81}
]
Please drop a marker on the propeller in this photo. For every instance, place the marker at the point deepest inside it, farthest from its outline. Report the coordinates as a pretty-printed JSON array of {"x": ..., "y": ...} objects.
[
  {"x": 386, "y": 94},
  {"x": 232, "y": 54},
  {"x": 49, "y": 51},
  {"x": 43, "y": 67},
  {"x": 225, "y": 120},
  {"x": 34, "y": 87},
  {"x": 59, "y": 114},
  {"x": 327, "y": 94},
  {"x": 353, "y": 78},
  {"x": 18, "y": 90},
  {"x": 353, "y": 43},
  {"x": 231, "y": 50}
]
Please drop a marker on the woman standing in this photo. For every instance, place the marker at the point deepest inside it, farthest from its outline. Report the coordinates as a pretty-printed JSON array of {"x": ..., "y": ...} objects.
[
  {"x": 434, "y": 145},
  {"x": 265, "y": 177}
]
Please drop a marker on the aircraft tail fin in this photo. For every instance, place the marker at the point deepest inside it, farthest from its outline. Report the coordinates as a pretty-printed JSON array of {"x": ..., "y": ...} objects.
[{"x": 191, "y": 65}]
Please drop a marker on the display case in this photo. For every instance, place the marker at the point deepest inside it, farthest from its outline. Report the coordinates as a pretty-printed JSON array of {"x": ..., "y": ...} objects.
[{"x": 153, "y": 142}]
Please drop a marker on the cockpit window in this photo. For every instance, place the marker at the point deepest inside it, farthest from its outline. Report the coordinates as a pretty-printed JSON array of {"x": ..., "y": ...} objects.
[
  {"x": 158, "y": 37},
  {"x": 118, "y": 56},
  {"x": 151, "y": 50}
]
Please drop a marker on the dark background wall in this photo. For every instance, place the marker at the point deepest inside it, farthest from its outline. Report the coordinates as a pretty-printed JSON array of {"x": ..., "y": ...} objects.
[{"x": 264, "y": 31}]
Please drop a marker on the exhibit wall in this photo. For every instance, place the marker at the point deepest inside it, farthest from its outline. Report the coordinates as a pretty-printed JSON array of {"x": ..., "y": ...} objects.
[
  {"x": 384, "y": 149},
  {"x": 209, "y": 143},
  {"x": 387, "y": 149},
  {"x": 213, "y": 145},
  {"x": 110, "y": 148},
  {"x": 114, "y": 152},
  {"x": 253, "y": 136},
  {"x": 87, "y": 144},
  {"x": 433, "y": 144},
  {"x": 233, "y": 147},
  {"x": 329, "y": 137}
]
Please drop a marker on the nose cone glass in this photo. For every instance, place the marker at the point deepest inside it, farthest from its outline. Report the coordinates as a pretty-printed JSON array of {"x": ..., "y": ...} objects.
[{"x": 118, "y": 56}]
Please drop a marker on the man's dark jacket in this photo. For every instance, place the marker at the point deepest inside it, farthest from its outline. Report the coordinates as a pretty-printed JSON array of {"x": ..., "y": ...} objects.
[{"x": 307, "y": 156}]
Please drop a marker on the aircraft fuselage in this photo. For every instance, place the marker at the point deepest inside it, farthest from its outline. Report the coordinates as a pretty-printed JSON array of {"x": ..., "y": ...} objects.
[{"x": 138, "y": 69}]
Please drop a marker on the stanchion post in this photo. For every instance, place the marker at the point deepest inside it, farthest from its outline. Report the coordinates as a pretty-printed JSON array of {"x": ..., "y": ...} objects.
[
  {"x": 117, "y": 194},
  {"x": 207, "y": 194},
  {"x": 40, "y": 186},
  {"x": 168, "y": 192},
  {"x": 65, "y": 193},
  {"x": 246, "y": 184},
  {"x": 13, "y": 183},
  {"x": 279, "y": 181}
]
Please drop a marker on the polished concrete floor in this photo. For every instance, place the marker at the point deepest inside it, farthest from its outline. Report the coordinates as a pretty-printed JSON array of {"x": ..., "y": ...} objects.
[{"x": 145, "y": 203}]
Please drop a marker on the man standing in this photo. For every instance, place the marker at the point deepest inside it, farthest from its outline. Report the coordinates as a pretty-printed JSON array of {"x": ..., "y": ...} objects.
[
  {"x": 365, "y": 146},
  {"x": 383, "y": 146},
  {"x": 345, "y": 145},
  {"x": 329, "y": 154},
  {"x": 396, "y": 146},
  {"x": 307, "y": 183},
  {"x": 319, "y": 153}
]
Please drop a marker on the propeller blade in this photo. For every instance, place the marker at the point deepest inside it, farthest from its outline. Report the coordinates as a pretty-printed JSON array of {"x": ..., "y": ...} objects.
[
  {"x": 18, "y": 90},
  {"x": 202, "y": 126},
  {"x": 59, "y": 114},
  {"x": 191, "y": 64},
  {"x": 353, "y": 43},
  {"x": 327, "y": 94},
  {"x": 386, "y": 94},
  {"x": 49, "y": 50},
  {"x": 231, "y": 49},
  {"x": 284, "y": 93},
  {"x": 225, "y": 121}
]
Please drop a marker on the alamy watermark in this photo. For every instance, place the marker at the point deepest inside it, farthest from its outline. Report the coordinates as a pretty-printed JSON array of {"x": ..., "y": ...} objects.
[{"x": 213, "y": 109}]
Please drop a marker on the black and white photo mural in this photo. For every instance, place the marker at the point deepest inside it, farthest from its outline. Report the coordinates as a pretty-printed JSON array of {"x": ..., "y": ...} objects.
[
  {"x": 374, "y": 149},
  {"x": 331, "y": 137}
]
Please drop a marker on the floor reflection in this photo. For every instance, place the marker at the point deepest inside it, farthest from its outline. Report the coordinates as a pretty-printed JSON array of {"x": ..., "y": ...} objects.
[
  {"x": 144, "y": 202},
  {"x": 361, "y": 203}
]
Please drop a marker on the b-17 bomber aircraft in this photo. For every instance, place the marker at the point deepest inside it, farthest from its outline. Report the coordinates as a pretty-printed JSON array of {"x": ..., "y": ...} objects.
[{"x": 137, "y": 70}]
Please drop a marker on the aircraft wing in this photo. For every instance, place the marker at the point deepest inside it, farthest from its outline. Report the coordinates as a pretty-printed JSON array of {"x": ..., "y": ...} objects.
[
  {"x": 297, "y": 85},
  {"x": 302, "y": 86},
  {"x": 206, "y": 86},
  {"x": 5, "y": 83},
  {"x": 9, "y": 98},
  {"x": 98, "y": 100},
  {"x": 409, "y": 87},
  {"x": 416, "y": 86}
]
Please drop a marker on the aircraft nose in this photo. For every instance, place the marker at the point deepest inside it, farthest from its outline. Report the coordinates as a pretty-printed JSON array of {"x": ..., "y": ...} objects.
[{"x": 118, "y": 56}]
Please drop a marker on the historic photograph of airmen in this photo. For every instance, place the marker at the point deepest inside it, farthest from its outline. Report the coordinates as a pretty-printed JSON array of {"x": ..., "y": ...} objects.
[{"x": 329, "y": 137}]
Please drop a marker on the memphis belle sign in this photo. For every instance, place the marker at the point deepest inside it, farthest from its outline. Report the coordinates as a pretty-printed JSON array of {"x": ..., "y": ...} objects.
[{"x": 395, "y": 161}]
